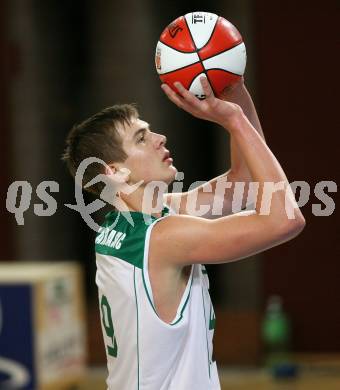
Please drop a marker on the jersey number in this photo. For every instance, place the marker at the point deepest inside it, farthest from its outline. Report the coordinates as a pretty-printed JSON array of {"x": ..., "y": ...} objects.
[{"x": 108, "y": 326}]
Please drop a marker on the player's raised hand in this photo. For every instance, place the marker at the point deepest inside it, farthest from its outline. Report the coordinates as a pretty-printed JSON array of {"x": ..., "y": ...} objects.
[{"x": 211, "y": 108}]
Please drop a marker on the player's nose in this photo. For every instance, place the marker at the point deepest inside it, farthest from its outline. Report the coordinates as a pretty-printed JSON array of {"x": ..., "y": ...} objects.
[{"x": 159, "y": 140}]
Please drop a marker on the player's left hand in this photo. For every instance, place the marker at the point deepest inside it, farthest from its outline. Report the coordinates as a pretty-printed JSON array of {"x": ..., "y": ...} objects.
[
  {"x": 232, "y": 90},
  {"x": 211, "y": 108}
]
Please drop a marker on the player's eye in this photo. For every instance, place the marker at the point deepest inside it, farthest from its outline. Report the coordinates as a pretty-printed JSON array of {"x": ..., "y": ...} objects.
[{"x": 141, "y": 138}]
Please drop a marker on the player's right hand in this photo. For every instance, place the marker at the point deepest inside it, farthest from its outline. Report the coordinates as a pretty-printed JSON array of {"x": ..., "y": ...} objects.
[{"x": 211, "y": 108}]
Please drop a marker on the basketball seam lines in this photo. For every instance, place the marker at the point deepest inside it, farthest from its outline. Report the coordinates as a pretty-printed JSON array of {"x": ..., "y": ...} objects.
[
  {"x": 204, "y": 70},
  {"x": 198, "y": 54},
  {"x": 212, "y": 33},
  {"x": 180, "y": 51},
  {"x": 224, "y": 70},
  {"x": 200, "y": 60},
  {"x": 182, "y": 67},
  {"x": 224, "y": 51}
]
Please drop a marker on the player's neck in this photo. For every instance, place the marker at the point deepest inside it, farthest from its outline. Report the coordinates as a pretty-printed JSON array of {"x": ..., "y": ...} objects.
[{"x": 144, "y": 201}]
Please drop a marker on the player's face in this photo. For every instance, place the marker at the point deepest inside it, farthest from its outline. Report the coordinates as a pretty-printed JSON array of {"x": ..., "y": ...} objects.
[{"x": 148, "y": 159}]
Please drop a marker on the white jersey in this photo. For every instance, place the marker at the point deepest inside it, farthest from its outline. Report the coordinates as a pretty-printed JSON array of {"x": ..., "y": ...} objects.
[{"x": 143, "y": 351}]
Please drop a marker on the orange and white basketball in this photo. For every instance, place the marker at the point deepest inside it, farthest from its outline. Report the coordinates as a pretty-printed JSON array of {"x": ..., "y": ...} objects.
[{"x": 200, "y": 43}]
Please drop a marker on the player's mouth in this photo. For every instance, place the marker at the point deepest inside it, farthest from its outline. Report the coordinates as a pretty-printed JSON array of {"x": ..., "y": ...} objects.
[{"x": 167, "y": 158}]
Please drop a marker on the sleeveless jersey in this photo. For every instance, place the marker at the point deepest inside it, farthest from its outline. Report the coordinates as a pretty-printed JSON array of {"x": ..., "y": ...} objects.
[{"x": 143, "y": 351}]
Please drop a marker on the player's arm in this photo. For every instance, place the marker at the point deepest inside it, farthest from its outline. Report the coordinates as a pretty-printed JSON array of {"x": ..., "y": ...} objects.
[
  {"x": 239, "y": 94},
  {"x": 206, "y": 193},
  {"x": 180, "y": 240}
]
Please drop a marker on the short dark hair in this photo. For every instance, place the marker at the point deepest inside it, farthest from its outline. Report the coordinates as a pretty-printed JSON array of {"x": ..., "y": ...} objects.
[{"x": 98, "y": 137}]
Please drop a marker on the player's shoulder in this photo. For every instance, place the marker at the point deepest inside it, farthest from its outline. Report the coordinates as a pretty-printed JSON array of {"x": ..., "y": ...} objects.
[
  {"x": 178, "y": 227},
  {"x": 174, "y": 240},
  {"x": 130, "y": 222},
  {"x": 123, "y": 236}
]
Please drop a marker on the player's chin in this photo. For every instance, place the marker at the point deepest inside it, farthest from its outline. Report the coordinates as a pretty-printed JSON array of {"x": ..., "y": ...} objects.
[{"x": 172, "y": 174}]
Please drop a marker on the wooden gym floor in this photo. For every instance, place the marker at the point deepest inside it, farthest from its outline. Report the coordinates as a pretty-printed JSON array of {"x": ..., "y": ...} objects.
[{"x": 319, "y": 372}]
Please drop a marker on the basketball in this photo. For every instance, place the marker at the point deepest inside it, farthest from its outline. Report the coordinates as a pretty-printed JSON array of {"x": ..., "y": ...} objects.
[{"x": 200, "y": 43}]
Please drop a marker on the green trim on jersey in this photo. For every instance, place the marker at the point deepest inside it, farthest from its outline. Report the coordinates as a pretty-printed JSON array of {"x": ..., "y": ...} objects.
[
  {"x": 186, "y": 300},
  {"x": 212, "y": 318},
  {"x": 118, "y": 238},
  {"x": 147, "y": 294},
  {"x": 134, "y": 285},
  {"x": 147, "y": 284},
  {"x": 206, "y": 331},
  {"x": 186, "y": 291}
]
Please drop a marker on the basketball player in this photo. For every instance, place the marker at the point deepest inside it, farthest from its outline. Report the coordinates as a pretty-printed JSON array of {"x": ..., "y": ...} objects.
[{"x": 156, "y": 315}]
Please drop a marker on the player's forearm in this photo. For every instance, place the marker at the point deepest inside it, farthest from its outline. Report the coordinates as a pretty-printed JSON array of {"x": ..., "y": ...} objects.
[
  {"x": 239, "y": 171},
  {"x": 242, "y": 97},
  {"x": 262, "y": 165}
]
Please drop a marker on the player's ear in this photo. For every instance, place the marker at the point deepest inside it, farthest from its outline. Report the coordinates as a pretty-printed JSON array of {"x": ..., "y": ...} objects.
[
  {"x": 117, "y": 173},
  {"x": 110, "y": 169}
]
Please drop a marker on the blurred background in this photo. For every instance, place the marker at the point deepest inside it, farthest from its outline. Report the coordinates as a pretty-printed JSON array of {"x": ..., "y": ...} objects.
[{"x": 62, "y": 61}]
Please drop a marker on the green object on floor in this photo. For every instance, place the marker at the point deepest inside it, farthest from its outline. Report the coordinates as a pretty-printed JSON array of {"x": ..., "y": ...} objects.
[{"x": 276, "y": 335}]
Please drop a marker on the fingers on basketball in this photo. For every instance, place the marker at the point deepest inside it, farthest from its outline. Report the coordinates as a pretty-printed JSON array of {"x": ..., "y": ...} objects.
[
  {"x": 206, "y": 87},
  {"x": 172, "y": 95},
  {"x": 187, "y": 95}
]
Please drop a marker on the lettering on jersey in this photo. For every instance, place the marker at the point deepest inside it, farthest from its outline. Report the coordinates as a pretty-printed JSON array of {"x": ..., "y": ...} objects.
[{"x": 110, "y": 237}]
